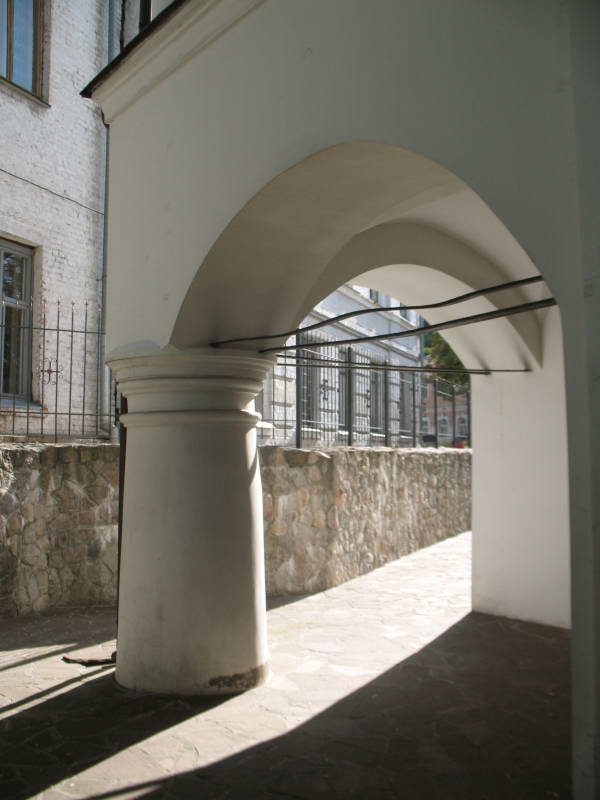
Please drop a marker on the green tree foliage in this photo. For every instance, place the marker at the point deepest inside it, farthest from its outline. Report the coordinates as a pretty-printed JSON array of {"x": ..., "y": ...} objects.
[{"x": 440, "y": 354}]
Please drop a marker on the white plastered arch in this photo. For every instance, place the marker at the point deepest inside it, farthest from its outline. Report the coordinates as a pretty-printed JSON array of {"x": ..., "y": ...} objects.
[
  {"x": 421, "y": 264},
  {"x": 317, "y": 225},
  {"x": 393, "y": 220}
]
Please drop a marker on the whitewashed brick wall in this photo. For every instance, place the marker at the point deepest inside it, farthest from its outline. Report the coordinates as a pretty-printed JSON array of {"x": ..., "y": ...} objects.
[{"x": 52, "y": 172}]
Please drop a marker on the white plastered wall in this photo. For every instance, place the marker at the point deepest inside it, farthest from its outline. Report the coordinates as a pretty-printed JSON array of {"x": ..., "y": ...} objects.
[
  {"x": 521, "y": 560},
  {"x": 204, "y": 117},
  {"x": 521, "y": 564}
]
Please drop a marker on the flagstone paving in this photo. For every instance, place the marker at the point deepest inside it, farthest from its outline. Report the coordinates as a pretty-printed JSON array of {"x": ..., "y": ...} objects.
[{"x": 386, "y": 687}]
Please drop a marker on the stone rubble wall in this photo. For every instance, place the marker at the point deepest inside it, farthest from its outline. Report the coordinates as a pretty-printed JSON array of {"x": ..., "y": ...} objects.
[
  {"x": 329, "y": 516},
  {"x": 58, "y": 526}
]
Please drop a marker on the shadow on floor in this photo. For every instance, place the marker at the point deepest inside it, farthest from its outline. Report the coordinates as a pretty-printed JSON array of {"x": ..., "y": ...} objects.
[
  {"x": 285, "y": 600},
  {"x": 481, "y": 713},
  {"x": 63, "y": 630}
]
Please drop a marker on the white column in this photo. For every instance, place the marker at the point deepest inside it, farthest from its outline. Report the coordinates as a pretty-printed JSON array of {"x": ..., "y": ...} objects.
[{"x": 192, "y": 616}]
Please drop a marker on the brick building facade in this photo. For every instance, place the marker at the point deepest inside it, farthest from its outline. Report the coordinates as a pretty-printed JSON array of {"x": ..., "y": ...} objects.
[{"x": 52, "y": 168}]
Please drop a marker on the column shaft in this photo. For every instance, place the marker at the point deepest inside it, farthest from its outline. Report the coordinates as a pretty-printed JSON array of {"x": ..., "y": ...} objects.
[{"x": 192, "y": 614}]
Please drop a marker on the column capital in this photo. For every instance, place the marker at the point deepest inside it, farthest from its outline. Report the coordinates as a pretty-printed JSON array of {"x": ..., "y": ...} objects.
[{"x": 194, "y": 385}]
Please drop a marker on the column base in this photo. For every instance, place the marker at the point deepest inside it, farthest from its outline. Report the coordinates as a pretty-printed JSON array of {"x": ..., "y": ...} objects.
[{"x": 221, "y": 685}]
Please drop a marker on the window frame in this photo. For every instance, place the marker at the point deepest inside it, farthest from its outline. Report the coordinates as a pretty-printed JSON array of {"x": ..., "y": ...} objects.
[
  {"x": 38, "y": 50},
  {"x": 25, "y": 306},
  {"x": 344, "y": 390},
  {"x": 405, "y": 313}
]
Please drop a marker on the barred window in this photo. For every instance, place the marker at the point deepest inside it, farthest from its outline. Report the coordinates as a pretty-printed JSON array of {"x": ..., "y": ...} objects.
[
  {"x": 15, "y": 274},
  {"x": 376, "y": 399},
  {"x": 21, "y": 43},
  {"x": 309, "y": 379}
]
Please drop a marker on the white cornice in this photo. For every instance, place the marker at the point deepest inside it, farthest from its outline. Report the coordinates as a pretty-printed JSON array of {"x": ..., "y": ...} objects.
[{"x": 186, "y": 33}]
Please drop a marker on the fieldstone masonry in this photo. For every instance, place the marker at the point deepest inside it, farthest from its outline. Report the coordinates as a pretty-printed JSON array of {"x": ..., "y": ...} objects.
[
  {"x": 329, "y": 516},
  {"x": 58, "y": 526}
]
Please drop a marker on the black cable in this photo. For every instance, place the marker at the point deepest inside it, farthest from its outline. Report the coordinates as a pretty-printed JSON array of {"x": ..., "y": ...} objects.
[
  {"x": 51, "y": 191},
  {"x": 441, "y": 304},
  {"x": 315, "y": 363},
  {"x": 456, "y": 323}
]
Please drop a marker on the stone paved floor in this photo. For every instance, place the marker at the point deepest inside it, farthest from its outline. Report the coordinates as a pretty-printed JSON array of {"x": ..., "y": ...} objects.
[{"x": 386, "y": 687}]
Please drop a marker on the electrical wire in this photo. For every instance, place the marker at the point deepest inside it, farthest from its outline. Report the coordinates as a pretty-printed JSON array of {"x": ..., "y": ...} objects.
[
  {"x": 327, "y": 363},
  {"x": 51, "y": 191}
]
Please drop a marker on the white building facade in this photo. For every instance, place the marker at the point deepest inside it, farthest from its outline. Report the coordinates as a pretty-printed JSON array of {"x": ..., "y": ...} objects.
[{"x": 370, "y": 394}]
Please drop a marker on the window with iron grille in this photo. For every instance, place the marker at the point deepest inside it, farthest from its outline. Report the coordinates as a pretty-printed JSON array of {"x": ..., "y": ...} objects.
[
  {"x": 15, "y": 276},
  {"x": 344, "y": 378},
  {"x": 21, "y": 43},
  {"x": 376, "y": 400},
  {"x": 402, "y": 402},
  {"x": 309, "y": 378}
]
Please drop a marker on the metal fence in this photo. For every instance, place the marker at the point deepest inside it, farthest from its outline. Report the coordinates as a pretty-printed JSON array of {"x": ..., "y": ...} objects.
[
  {"x": 54, "y": 386},
  {"x": 349, "y": 396},
  {"x": 53, "y": 382}
]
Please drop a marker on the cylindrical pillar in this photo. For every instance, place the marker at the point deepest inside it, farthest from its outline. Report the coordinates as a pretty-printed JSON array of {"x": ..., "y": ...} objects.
[{"x": 192, "y": 616}]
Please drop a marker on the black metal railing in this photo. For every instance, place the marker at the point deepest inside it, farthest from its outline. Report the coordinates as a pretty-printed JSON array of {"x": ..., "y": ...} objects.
[
  {"x": 53, "y": 382},
  {"x": 54, "y": 386},
  {"x": 344, "y": 395}
]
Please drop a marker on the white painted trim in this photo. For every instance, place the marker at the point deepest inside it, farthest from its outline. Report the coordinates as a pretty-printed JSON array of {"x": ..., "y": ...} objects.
[{"x": 195, "y": 26}]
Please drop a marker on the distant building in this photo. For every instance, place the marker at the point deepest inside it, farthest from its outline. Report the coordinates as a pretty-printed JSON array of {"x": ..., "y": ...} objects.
[{"x": 317, "y": 402}]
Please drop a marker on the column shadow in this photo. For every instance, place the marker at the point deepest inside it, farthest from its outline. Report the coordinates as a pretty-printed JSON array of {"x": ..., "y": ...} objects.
[{"x": 63, "y": 629}]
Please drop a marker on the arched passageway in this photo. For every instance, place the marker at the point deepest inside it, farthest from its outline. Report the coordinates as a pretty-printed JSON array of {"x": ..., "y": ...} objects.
[
  {"x": 215, "y": 101},
  {"x": 409, "y": 228}
]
